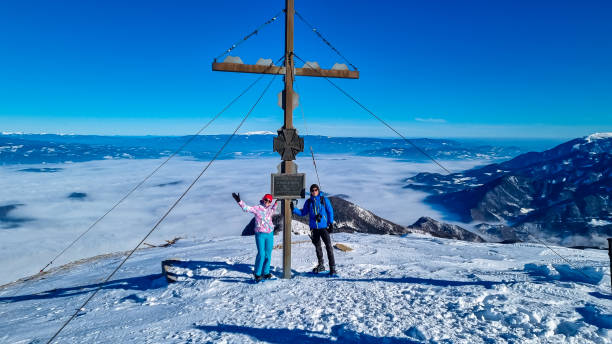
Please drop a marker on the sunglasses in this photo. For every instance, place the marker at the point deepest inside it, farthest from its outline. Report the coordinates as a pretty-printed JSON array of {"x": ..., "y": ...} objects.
[
  {"x": 313, "y": 190},
  {"x": 267, "y": 201}
]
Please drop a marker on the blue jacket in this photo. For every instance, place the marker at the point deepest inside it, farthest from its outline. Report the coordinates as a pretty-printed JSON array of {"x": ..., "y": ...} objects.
[{"x": 312, "y": 207}]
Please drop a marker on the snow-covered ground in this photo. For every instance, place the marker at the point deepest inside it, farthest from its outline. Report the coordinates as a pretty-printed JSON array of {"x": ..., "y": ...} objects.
[
  {"x": 50, "y": 220},
  {"x": 410, "y": 289}
]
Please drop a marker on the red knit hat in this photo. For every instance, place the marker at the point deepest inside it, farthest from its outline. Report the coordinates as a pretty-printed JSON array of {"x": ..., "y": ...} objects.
[{"x": 267, "y": 197}]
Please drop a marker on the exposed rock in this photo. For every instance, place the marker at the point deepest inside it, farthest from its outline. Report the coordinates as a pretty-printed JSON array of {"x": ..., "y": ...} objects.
[
  {"x": 499, "y": 233},
  {"x": 351, "y": 218},
  {"x": 427, "y": 225},
  {"x": 343, "y": 247}
]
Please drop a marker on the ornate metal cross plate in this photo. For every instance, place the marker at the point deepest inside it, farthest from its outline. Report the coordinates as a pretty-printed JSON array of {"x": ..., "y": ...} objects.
[{"x": 288, "y": 144}]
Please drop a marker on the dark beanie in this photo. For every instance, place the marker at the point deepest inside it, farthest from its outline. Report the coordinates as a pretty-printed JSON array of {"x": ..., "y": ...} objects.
[{"x": 314, "y": 186}]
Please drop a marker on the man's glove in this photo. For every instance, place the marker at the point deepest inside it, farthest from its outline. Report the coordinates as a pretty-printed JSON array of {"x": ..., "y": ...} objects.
[
  {"x": 330, "y": 228},
  {"x": 291, "y": 205},
  {"x": 236, "y": 196}
]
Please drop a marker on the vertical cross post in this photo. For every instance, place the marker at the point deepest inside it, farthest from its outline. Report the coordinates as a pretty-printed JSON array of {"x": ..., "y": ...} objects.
[
  {"x": 610, "y": 255},
  {"x": 288, "y": 143},
  {"x": 288, "y": 166}
]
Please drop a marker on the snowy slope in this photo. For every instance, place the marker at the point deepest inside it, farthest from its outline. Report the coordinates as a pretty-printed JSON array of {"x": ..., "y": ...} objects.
[{"x": 391, "y": 289}]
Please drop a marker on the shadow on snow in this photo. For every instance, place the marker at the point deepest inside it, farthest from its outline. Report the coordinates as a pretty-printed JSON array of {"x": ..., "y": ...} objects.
[
  {"x": 282, "y": 335},
  {"x": 141, "y": 283},
  {"x": 413, "y": 280},
  {"x": 156, "y": 281}
]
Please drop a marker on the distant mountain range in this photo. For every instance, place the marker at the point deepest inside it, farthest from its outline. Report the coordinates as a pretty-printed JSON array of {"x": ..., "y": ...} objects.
[
  {"x": 444, "y": 150},
  {"x": 561, "y": 195},
  {"x": 51, "y": 148}
]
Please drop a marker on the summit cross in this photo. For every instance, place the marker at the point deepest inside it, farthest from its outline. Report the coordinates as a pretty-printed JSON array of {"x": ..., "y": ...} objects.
[{"x": 288, "y": 143}]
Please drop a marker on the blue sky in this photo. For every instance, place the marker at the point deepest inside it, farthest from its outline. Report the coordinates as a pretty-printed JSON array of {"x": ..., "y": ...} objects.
[{"x": 430, "y": 68}]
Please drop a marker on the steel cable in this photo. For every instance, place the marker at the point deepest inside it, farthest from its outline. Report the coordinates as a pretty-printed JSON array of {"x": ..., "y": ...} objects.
[
  {"x": 375, "y": 116},
  {"x": 165, "y": 215},
  {"x": 187, "y": 142},
  {"x": 316, "y": 31},
  {"x": 366, "y": 109},
  {"x": 311, "y": 150},
  {"x": 256, "y": 31}
]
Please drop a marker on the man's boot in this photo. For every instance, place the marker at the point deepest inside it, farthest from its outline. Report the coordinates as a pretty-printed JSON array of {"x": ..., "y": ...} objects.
[
  {"x": 319, "y": 268},
  {"x": 332, "y": 270}
]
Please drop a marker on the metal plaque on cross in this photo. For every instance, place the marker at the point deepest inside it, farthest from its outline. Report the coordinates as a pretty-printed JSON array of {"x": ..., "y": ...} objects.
[
  {"x": 288, "y": 186},
  {"x": 288, "y": 144}
]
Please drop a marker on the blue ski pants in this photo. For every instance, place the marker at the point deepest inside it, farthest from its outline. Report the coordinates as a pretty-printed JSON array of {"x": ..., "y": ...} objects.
[{"x": 264, "y": 242}]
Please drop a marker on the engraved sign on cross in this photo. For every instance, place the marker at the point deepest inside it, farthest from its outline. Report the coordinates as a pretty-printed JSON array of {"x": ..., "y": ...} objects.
[{"x": 288, "y": 144}]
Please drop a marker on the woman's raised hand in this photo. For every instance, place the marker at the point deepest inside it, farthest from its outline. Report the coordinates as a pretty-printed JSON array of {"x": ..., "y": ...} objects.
[{"x": 236, "y": 196}]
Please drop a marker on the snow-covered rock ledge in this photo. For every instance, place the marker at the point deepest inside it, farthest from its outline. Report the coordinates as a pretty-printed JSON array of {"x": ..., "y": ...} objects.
[{"x": 408, "y": 289}]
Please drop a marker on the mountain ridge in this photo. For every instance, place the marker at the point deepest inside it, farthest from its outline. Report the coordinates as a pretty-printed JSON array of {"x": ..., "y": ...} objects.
[{"x": 556, "y": 193}]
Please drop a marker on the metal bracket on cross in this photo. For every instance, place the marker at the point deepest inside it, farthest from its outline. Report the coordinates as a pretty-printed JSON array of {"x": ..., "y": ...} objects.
[{"x": 288, "y": 144}]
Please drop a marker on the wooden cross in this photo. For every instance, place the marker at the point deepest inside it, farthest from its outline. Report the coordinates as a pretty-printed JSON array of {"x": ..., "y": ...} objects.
[{"x": 287, "y": 144}]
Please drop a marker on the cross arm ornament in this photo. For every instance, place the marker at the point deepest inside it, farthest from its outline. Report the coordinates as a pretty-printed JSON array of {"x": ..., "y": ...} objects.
[{"x": 262, "y": 69}]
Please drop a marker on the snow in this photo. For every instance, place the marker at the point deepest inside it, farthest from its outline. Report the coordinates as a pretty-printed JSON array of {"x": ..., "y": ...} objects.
[
  {"x": 592, "y": 138},
  {"x": 311, "y": 65},
  {"x": 41, "y": 133},
  {"x": 598, "y": 222},
  {"x": 391, "y": 289},
  {"x": 262, "y": 132},
  {"x": 233, "y": 59},
  {"x": 598, "y": 136},
  {"x": 526, "y": 210},
  {"x": 12, "y": 149},
  {"x": 340, "y": 66},
  {"x": 461, "y": 180},
  {"x": 264, "y": 62}
]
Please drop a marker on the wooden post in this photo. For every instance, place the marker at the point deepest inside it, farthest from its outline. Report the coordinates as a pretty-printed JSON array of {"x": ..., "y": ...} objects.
[
  {"x": 287, "y": 167},
  {"x": 610, "y": 255},
  {"x": 288, "y": 124}
]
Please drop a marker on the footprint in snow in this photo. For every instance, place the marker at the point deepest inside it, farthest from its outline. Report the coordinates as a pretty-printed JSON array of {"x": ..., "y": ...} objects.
[{"x": 133, "y": 298}]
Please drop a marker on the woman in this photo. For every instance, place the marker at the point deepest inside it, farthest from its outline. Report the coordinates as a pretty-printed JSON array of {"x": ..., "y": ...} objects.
[{"x": 264, "y": 233}]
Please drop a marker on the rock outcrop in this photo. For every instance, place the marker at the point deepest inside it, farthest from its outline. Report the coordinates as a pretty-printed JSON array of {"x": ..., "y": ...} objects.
[{"x": 427, "y": 225}]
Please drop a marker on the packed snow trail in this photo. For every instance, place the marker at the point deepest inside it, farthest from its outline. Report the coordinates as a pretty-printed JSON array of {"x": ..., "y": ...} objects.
[{"x": 410, "y": 289}]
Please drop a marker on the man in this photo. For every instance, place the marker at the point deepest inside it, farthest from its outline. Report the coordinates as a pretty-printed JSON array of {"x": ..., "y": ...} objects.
[{"x": 321, "y": 222}]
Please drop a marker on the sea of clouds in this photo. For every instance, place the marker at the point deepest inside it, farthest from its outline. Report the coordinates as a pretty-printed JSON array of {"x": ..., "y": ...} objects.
[{"x": 50, "y": 219}]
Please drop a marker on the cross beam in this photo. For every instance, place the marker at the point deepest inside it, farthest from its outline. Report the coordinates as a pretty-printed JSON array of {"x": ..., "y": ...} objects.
[
  {"x": 289, "y": 71},
  {"x": 263, "y": 69}
]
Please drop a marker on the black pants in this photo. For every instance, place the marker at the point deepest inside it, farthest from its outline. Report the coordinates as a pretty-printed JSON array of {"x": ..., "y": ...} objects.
[{"x": 317, "y": 235}]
